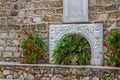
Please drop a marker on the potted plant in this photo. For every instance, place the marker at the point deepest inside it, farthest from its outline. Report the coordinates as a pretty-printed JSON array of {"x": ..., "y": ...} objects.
[
  {"x": 72, "y": 49},
  {"x": 33, "y": 47},
  {"x": 112, "y": 45}
]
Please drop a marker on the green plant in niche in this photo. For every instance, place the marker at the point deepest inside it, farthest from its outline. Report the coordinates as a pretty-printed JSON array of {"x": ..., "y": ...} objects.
[{"x": 72, "y": 49}]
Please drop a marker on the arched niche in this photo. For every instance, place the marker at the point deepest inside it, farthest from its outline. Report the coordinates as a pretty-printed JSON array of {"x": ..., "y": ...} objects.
[{"x": 92, "y": 32}]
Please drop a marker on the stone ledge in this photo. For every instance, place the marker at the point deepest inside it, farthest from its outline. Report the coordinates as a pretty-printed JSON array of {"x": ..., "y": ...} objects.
[{"x": 54, "y": 65}]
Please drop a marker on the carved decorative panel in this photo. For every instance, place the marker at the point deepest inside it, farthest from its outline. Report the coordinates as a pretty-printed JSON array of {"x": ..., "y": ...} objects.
[
  {"x": 75, "y": 10},
  {"x": 92, "y": 32}
]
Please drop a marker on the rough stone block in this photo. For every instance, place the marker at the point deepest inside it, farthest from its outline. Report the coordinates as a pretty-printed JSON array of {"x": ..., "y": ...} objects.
[
  {"x": 92, "y": 16},
  {"x": 2, "y": 42},
  {"x": 2, "y": 27},
  {"x": 27, "y": 20},
  {"x": 114, "y": 14},
  {"x": 7, "y": 54},
  {"x": 92, "y": 2},
  {"x": 104, "y": 1},
  {"x": 118, "y": 22},
  {"x": 46, "y": 19},
  {"x": 108, "y": 23},
  {"x": 56, "y": 18},
  {"x": 96, "y": 8},
  {"x": 60, "y": 10},
  {"x": 36, "y": 19},
  {"x": 10, "y": 21},
  {"x": 110, "y": 8},
  {"x": 1, "y": 6},
  {"x": 103, "y": 17},
  {"x": 1, "y": 48},
  {"x": 16, "y": 54},
  {"x": 11, "y": 48},
  {"x": 13, "y": 27},
  {"x": 34, "y": 5},
  {"x": 56, "y": 4},
  {"x": 44, "y": 4},
  {"x": 29, "y": 12},
  {"x": 18, "y": 6},
  {"x": 3, "y": 20},
  {"x": 13, "y": 13},
  {"x": 28, "y": 0},
  {"x": 41, "y": 26}
]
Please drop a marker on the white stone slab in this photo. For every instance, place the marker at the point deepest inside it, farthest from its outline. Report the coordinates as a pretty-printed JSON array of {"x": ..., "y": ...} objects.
[
  {"x": 75, "y": 10},
  {"x": 92, "y": 32}
]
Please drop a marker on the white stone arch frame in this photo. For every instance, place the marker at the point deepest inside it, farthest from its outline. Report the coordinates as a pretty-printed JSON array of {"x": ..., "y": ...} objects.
[{"x": 92, "y": 32}]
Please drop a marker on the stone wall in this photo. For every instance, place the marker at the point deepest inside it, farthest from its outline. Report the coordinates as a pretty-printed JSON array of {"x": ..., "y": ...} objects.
[
  {"x": 57, "y": 72},
  {"x": 17, "y": 15}
]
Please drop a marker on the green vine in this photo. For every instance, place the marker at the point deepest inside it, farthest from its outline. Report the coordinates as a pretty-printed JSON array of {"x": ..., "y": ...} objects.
[{"x": 112, "y": 45}]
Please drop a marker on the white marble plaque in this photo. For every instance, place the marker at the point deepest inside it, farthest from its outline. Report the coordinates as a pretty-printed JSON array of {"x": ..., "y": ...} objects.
[
  {"x": 92, "y": 32},
  {"x": 75, "y": 10}
]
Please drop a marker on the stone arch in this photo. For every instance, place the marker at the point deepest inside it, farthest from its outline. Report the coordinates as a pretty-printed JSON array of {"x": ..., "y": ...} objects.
[{"x": 92, "y": 32}]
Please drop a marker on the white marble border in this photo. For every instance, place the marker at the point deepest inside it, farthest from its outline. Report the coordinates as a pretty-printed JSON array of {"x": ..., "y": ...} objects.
[{"x": 92, "y": 32}]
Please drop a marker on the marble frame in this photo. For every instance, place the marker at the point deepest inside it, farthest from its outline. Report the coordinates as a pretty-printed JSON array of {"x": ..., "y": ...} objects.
[{"x": 92, "y": 32}]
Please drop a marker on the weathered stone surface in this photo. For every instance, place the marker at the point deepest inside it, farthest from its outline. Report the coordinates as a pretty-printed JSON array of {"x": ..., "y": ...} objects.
[
  {"x": 92, "y": 16},
  {"x": 96, "y": 8},
  {"x": 16, "y": 54},
  {"x": 9, "y": 77},
  {"x": 109, "y": 23},
  {"x": 102, "y": 17},
  {"x": 29, "y": 12},
  {"x": 7, "y": 54},
  {"x": 41, "y": 26},
  {"x": 56, "y": 18},
  {"x": 104, "y": 1},
  {"x": 118, "y": 22},
  {"x": 85, "y": 78},
  {"x": 11, "y": 48},
  {"x": 92, "y": 2},
  {"x": 2, "y": 42},
  {"x": 1, "y": 48},
  {"x": 2, "y": 27},
  {"x": 111, "y": 7},
  {"x": 46, "y": 18},
  {"x": 1, "y": 75},
  {"x": 56, "y": 4},
  {"x": 10, "y": 21},
  {"x": 44, "y": 4},
  {"x": 6, "y": 72},
  {"x": 36, "y": 19},
  {"x": 13, "y": 27},
  {"x": 13, "y": 13},
  {"x": 114, "y": 15},
  {"x": 27, "y": 20},
  {"x": 30, "y": 76},
  {"x": 56, "y": 77},
  {"x": 18, "y": 6},
  {"x": 3, "y": 20},
  {"x": 95, "y": 78},
  {"x": 28, "y": 0},
  {"x": 59, "y": 10}
]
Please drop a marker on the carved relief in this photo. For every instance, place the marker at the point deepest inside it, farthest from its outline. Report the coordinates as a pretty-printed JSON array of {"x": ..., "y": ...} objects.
[{"x": 92, "y": 32}]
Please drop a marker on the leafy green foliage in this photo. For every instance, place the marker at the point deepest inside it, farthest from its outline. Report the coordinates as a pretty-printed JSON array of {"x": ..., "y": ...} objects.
[
  {"x": 70, "y": 47},
  {"x": 102, "y": 76},
  {"x": 113, "y": 46},
  {"x": 33, "y": 47}
]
